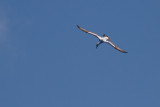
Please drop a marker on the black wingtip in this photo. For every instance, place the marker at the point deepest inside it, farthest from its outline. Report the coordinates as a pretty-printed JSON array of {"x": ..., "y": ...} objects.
[{"x": 78, "y": 26}]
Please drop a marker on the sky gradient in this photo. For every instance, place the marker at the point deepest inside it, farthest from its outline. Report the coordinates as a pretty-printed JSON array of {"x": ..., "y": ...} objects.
[{"x": 46, "y": 61}]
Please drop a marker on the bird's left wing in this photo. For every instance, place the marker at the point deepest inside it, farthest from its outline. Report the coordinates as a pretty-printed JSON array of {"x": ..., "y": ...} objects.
[
  {"x": 94, "y": 34},
  {"x": 116, "y": 47}
]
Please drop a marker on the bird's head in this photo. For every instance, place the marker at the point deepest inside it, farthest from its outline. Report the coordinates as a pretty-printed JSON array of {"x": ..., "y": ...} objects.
[{"x": 104, "y": 35}]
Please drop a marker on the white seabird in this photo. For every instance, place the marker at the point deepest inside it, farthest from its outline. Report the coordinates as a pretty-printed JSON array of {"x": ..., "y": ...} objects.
[{"x": 104, "y": 39}]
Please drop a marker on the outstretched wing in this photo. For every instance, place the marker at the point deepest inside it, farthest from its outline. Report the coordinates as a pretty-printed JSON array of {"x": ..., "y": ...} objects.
[
  {"x": 116, "y": 47},
  {"x": 92, "y": 33}
]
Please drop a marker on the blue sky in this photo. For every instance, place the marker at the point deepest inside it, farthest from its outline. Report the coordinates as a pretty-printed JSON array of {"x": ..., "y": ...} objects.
[{"x": 46, "y": 61}]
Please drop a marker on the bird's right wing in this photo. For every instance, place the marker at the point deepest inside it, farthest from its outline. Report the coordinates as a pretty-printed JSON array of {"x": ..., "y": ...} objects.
[
  {"x": 92, "y": 33},
  {"x": 116, "y": 47}
]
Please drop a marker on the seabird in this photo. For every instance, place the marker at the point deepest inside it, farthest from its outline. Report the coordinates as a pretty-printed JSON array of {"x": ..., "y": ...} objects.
[{"x": 104, "y": 39}]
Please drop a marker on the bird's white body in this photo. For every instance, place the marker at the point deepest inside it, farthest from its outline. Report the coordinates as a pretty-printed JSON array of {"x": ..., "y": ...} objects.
[
  {"x": 101, "y": 39},
  {"x": 104, "y": 39}
]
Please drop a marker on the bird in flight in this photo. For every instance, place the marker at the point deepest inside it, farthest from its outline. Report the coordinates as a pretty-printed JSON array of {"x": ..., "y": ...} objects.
[{"x": 104, "y": 39}]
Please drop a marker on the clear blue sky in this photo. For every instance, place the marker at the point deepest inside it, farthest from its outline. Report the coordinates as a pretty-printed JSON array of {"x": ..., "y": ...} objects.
[{"x": 46, "y": 61}]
